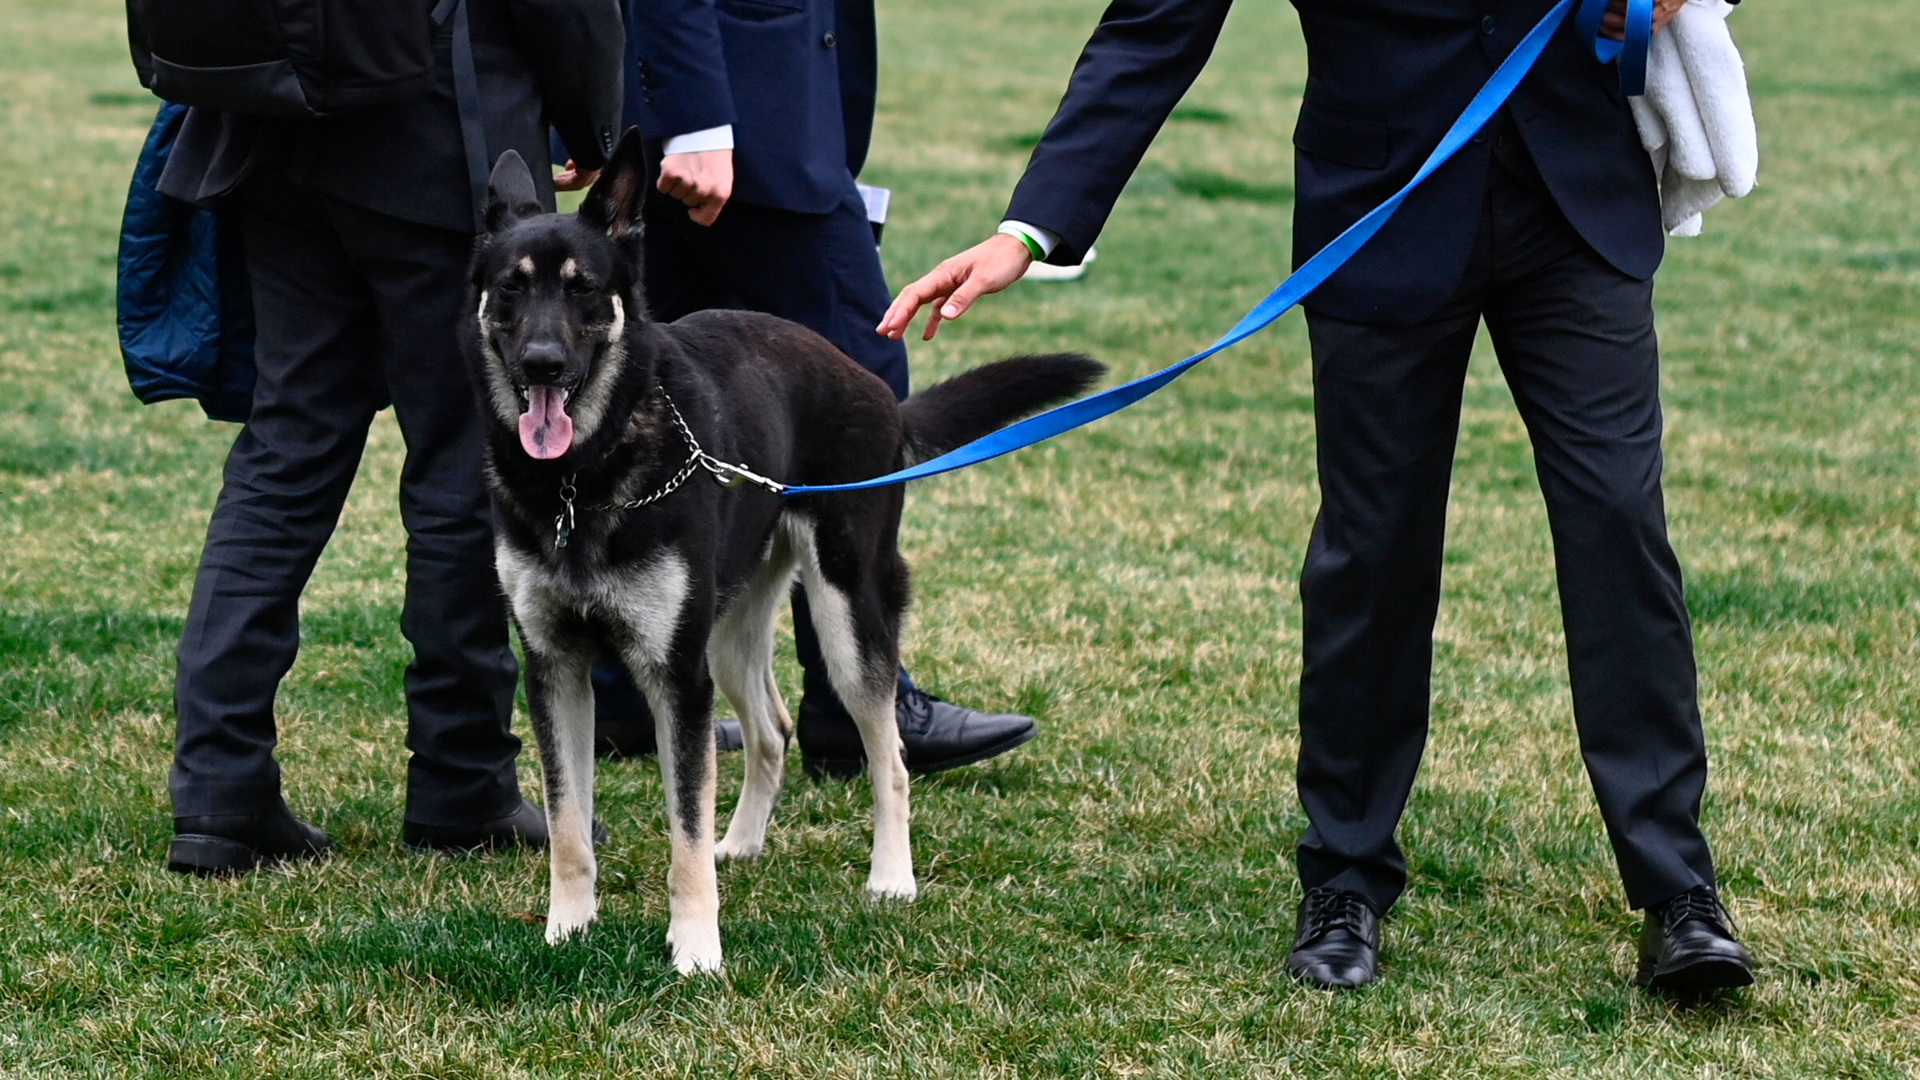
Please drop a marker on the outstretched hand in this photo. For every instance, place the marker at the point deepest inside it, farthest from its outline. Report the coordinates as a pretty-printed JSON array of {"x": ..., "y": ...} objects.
[
  {"x": 953, "y": 286},
  {"x": 1614, "y": 23}
]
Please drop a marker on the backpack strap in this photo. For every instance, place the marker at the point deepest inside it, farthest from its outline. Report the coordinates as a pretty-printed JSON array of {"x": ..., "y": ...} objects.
[{"x": 466, "y": 97}]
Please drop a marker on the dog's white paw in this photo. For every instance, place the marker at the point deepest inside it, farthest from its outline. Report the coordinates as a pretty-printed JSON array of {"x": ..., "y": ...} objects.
[
  {"x": 731, "y": 848},
  {"x": 695, "y": 948},
  {"x": 892, "y": 886},
  {"x": 566, "y": 920}
]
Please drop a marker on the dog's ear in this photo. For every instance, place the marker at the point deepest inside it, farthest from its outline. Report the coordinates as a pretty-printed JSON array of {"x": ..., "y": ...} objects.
[
  {"x": 613, "y": 205},
  {"x": 510, "y": 192}
]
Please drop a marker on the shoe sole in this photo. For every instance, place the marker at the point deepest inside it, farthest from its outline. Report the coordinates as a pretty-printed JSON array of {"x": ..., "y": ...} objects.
[
  {"x": 1699, "y": 977},
  {"x": 216, "y": 856},
  {"x": 1305, "y": 979},
  {"x": 848, "y": 768}
]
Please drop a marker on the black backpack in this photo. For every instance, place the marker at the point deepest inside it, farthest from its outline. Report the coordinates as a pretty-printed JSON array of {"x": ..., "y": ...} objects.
[{"x": 282, "y": 57}]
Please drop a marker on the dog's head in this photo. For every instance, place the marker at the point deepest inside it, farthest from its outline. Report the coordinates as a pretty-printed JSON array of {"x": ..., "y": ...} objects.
[{"x": 555, "y": 297}]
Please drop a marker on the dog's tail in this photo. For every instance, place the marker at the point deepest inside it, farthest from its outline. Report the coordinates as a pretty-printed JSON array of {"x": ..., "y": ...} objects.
[{"x": 986, "y": 399}]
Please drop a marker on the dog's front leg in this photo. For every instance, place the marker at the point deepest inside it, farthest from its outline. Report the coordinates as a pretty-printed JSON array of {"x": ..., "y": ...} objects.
[
  {"x": 560, "y": 691},
  {"x": 682, "y": 704}
]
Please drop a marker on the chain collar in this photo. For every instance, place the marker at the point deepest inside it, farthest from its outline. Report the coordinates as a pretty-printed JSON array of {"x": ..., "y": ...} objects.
[{"x": 724, "y": 474}]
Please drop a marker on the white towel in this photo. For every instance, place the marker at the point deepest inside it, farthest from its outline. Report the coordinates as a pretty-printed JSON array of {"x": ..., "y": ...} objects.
[{"x": 1696, "y": 120}]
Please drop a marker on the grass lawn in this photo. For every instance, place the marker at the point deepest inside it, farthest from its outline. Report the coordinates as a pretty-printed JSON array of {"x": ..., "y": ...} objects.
[{"x": 1116, "y": 898}]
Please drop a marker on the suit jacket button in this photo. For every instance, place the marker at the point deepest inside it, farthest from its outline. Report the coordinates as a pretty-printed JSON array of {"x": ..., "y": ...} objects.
[
  {"x": 1486, "y": 25},
  {"x": 827, "y": 40}
]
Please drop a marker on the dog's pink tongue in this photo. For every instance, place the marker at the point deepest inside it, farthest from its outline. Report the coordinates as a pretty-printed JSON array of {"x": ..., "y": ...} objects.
[{"x": 546, "y": 431}]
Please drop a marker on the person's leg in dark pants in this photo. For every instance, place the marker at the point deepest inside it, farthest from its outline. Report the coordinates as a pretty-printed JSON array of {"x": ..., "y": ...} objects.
[
  {"x": 286, "y": 480},
  {"x": 1387, "y": 413},
  {"x": 1576, "y": 341},
  {"x": 352, "y": 308},
  {"x": 460, "y": 684}
]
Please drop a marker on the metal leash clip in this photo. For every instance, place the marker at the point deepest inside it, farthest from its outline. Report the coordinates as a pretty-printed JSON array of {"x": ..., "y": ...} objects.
[
  {"x": 563, "y": 524},
  {"x": 732, "y": 476}
]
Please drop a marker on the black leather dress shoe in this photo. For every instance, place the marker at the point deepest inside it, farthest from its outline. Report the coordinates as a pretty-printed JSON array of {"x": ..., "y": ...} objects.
[
  {"x": 525, "y": 827},
  {"x": 937, "y": 734},
  {"x": 623, "y": 725},
  {"x": 633, "y": 737},
  {"x": 1337, "y": 943},
  {"x": 1686, "y": 947},
  {"x": 225, "y": 844}
]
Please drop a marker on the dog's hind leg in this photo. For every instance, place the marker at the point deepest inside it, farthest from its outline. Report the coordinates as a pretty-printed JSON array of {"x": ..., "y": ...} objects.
[
  {"x": 682, "y": 704},
  {"x": 560, "y": 692},
  {"x": 859, "y": 638},
  {"x": 740, "y": 656}
]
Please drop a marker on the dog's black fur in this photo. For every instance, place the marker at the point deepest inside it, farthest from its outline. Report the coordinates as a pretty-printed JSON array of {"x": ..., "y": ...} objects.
[{"x": 684, "y": 590}]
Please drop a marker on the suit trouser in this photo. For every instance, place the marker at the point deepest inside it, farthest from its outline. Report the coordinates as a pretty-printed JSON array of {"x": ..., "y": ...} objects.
[
  {"x": 355, "y": 309},
  {"x": 1576, "y": 344},
  {"x": 819, "y": 270}
]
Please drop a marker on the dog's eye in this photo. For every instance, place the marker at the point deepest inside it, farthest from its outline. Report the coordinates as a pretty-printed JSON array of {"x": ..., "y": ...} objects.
[
  {"x": 513, "y": 285},
  {"x": 580, "y": 286}
]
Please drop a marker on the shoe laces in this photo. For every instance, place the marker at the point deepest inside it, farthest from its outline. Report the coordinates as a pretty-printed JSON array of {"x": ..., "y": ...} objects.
[
  {"x": 917, "y": 702},
  {"x": 1329, "y": 909},
  {"x": 1699, "y": 902}
]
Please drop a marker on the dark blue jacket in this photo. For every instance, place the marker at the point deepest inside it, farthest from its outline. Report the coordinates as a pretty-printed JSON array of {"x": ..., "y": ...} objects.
[
  {"x": 1385, "y": 78},
  {"x": 185, "y": 313},
  {"x": 795, "y": 78}
]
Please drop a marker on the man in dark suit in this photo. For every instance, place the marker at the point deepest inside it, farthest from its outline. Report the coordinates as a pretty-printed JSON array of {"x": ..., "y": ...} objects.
[
  {"x": 358, "y": 230},
  {"x": 1547, "y": 227},
  {"x": 765, "y": 108}
]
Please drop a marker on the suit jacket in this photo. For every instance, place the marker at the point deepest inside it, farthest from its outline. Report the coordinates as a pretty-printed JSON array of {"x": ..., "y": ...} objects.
[
  {"x": 537, "y": 62},
  {"x": 1385, "y": 78},
  {"x": 795, "y": 78}
]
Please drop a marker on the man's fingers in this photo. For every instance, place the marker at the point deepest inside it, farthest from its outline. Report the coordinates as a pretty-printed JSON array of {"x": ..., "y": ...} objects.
[
  {"x": 963, "y": 297},
  {"x": 704, "y": 193},
  {"x": 899, "y": 313},
  {"x": 706, "y": 211},
  {"x": 1614, "y": 23},
  {"x": 933, "y": 287},
  {"x": 575, "y": 180},
  {"x": 962, "y": 290}
]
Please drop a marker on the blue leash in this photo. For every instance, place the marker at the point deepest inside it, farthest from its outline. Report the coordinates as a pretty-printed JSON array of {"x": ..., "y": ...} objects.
[{"x": 1632, "y": 55}]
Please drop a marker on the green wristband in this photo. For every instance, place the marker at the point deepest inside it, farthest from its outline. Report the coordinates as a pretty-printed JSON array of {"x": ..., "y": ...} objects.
[{"x": 1033, "y": 246}]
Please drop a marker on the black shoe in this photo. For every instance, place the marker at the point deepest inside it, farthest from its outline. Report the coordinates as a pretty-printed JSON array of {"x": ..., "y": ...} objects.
[
  {"x": 1686, "y": 947},
  {"x": 1337, "y": 943},
  {"x": 632, "y": 738},
  {"x": 623, "y": 725},
  {"x": 525, "y": 827},
  {"x": 224, "y": 844},
  {"x": 937, "y": 735}
]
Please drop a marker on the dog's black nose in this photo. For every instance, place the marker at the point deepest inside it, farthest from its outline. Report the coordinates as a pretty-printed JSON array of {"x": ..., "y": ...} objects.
[{"x": 543, "y": 361}]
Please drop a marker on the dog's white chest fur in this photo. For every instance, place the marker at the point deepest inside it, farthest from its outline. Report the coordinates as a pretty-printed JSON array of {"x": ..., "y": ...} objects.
[{"x": 647, "y": 600}]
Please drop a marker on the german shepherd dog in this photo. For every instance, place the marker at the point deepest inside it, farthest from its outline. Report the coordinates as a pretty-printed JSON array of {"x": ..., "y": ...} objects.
[{"x": 605, "y": 434}]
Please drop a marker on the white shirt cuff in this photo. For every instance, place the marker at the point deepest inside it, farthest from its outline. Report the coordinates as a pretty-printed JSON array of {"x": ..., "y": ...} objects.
[
  {"x": 694, "y": 142},
  {"x": 1020, "y": 230}
]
